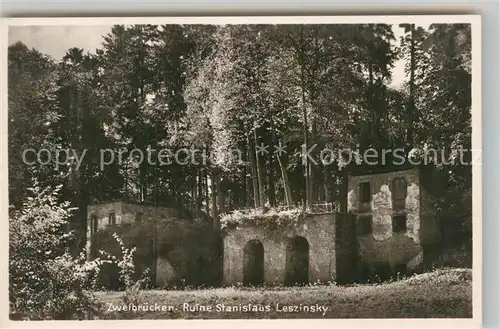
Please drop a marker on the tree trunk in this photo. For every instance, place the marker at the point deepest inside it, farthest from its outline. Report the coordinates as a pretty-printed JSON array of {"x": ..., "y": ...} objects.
[
  {"x": 174, "y": 190},
  {"x": 221, "y": 196},
  {"x": 199, "y": 195},
  {"x": 207, "y": 199},
  {"x": 307, "y": 169},
  {"x": 315, "y": 191},
  {"x": 286, "y": 183},
  {"x": 344, "y": 189},
  {"x": 320, "y": 181},
  {"x": 253, "y": 165},
  {"x": 215, "y": 214},
  {"x": 325, "y": 184},
  {"x": 284, "y": 174},
  {"x": 260, "y": 175},
  {"x": 372, "y": 105},
  {"x": 248, "y": 184},
  {"x": 194, "y": 193},
  {"x": 142, "y": 184},
  {"x": 270, "y": 181},
  {"x": 411, "y": 100}
]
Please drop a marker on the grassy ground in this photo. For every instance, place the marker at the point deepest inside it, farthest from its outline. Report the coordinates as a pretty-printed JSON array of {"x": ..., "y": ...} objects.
[{"x": 442, "y": 293}]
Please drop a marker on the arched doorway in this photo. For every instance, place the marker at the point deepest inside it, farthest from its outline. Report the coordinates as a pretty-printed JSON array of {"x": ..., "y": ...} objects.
[
  {"x": 253, "y": 266},
  {"x": 297, "y": 261}
]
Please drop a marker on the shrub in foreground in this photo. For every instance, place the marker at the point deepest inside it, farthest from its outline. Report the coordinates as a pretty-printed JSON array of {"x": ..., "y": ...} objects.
[{"x": 45, "y": 280}]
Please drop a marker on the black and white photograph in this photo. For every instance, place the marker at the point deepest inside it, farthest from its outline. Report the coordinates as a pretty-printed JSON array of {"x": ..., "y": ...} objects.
[{"x": 243, "y": 168}]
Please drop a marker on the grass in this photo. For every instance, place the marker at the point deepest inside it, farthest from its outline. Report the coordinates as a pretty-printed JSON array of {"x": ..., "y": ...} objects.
[{"x": 445, "y": 293}]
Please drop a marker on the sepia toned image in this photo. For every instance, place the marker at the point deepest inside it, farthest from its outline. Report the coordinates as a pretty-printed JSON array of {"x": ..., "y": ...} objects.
[{"x": 252, "y": 169}]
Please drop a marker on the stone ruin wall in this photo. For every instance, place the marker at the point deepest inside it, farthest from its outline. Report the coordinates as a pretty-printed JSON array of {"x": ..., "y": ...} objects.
[
  {"x": 384, "y": 245},
  {"x": 319, "y": 230},
  {"x": 125, "y": 213}
]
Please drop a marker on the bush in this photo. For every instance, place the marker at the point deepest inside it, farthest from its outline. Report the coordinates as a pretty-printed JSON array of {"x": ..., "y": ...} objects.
[
  {"x": 456, "y": 257},
  {"x": 127, "y": 272},
  {"x": 45, "y": 280},
  {"x": 270, "y": 219}
]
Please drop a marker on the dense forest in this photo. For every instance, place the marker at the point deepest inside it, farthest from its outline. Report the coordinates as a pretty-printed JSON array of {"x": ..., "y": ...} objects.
[{"x": 227, "y": 90}]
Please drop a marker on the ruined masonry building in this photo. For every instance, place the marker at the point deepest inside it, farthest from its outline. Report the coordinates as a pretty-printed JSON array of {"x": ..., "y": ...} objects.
[
  {"x": 397, "y": 227},
  {"x": 112, "y": 214},
  {"x": 301, "y": 255},
  {"x": 389, "y": 228}
]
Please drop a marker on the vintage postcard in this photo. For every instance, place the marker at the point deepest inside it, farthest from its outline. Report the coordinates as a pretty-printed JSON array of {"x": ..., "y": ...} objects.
[{"x": 326, "y": 169}]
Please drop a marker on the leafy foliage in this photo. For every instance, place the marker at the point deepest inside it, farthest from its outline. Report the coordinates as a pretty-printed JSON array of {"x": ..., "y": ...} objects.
[
  {"x": 269, "y": 219},
  {"x": 227, "y": 89},
  {"x": 127, "y": 271},
  {"x": 45, "y": 281}
]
